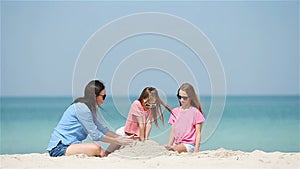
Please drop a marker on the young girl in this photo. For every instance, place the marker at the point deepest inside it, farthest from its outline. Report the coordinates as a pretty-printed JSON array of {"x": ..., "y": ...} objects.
[
  {"x": 186, "y": 121},
  {"x": 141, "y": 114}
]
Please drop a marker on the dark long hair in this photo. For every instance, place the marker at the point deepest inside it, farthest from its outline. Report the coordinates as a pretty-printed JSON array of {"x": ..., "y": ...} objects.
[
  {"x": 151, "y": 92},
  {"x": 189, "y": 89},
  {"x": 91, "y": 91}
]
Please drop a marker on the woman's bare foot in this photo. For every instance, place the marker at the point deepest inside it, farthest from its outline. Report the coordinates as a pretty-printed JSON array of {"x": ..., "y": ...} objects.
[{"x": 102, "y": 153}]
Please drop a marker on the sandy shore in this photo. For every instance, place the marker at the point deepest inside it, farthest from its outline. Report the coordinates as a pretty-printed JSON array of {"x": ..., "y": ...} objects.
[{"x": 152, "y": 155}]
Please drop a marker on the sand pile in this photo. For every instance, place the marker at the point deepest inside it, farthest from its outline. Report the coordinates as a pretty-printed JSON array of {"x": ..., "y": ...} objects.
[{"x": 139, "y": 150}]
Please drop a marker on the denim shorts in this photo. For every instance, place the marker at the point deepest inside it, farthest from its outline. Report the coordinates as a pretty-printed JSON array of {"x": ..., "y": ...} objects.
[
  {"x": 59, "y": 150},
  {"x": 189, "y": 147}
]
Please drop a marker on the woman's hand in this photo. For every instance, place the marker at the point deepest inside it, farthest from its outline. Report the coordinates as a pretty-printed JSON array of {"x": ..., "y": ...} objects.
[{"x": 124, "y": 140}]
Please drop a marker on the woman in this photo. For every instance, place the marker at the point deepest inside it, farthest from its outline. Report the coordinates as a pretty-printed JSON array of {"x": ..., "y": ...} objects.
[{"x": 80, "y": 120}]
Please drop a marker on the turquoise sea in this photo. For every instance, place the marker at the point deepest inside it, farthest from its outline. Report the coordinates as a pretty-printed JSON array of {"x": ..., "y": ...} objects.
[{"x": 268, "y": 123}]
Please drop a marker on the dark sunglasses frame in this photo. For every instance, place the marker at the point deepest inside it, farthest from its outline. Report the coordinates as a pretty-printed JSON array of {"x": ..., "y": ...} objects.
[
  {"x": 103, "y": 96},
  {"x": 183, "y": 97},
  {"x": 151, "y": 105}
]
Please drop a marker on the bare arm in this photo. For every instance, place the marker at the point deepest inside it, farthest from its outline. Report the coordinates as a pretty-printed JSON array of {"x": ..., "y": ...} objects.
[
  {"x": 171, "y": 137},
  {"x": 115, "y": 141},
  {"x": 141, "y": 128},
  {"x": 119, "y": 140},
  {"x": 111, "y": 134},
  {"x": 148, "y": 129},
  {"x": 198, "y": 137},
  {"x": 113, "y": 138}
]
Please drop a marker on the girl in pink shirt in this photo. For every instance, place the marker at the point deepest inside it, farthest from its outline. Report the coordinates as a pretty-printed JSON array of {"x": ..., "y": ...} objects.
[
  {"x": 142, "y": 113},
  {"x": 186, "y": 121}
]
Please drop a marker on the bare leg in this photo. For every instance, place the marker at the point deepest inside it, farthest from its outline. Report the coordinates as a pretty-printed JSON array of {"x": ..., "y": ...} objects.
[{"x": 90, "y": 149}]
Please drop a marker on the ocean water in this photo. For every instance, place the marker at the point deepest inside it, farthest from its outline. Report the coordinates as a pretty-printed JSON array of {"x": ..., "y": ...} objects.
[{"x": 268, "y": 123}]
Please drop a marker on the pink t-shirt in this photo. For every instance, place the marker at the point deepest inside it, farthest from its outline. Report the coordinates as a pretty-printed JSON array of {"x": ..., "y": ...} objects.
[
  {"x": 136, "y": 110},
  {"x": 184, "y": 124}
]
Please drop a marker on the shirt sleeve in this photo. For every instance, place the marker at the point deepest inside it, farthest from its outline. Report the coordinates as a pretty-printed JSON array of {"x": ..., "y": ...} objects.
[
  {"x": 136, "y": 108},
  {"x": 101, "y": 127},
  {"x": 95, "y": 130},
  {"x": 199, "y": 117}
]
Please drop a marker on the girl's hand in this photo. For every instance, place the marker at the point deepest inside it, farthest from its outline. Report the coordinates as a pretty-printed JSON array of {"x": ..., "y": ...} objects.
[
  {"x": 169, "y": 147},
  {"x": 131, "y": 136},
  {"x": 134, "y": 137}
]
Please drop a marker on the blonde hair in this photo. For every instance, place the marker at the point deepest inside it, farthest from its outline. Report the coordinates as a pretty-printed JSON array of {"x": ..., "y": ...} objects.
[{"x": 189, "y": 89}]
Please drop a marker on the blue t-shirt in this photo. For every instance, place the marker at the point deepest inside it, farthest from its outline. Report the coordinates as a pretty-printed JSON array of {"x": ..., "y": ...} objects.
[{"x": 76, "y": 123}]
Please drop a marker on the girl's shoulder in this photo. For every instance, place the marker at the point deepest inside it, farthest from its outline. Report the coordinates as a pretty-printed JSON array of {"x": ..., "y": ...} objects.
[
  {"x": 176, "y": 110},
  {"x": 137, "y": 105},
  {"x": 195, "y": 110},
  {"x": 136, "y": 102}
]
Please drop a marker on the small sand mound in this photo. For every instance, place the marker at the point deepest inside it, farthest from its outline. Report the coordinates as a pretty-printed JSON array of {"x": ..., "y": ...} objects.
[{"x": 138, "y": 149}]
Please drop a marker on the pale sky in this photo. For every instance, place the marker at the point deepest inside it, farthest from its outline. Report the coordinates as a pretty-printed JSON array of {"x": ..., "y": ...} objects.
[{"x": 257, "y": 45}]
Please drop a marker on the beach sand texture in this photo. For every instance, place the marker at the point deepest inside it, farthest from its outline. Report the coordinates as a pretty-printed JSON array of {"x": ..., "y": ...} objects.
[{"x": 150, "y": 154}]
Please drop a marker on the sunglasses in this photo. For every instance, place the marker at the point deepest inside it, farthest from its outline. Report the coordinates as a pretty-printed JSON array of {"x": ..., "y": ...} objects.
[
  {"x": 183, "y": 97},
  {"x": 151, "y": 105},
  {"x": 103, "y": 96}
]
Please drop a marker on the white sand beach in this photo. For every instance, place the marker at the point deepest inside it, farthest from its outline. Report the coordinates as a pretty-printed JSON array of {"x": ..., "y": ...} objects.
[{"x": 150, "y": 154}]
